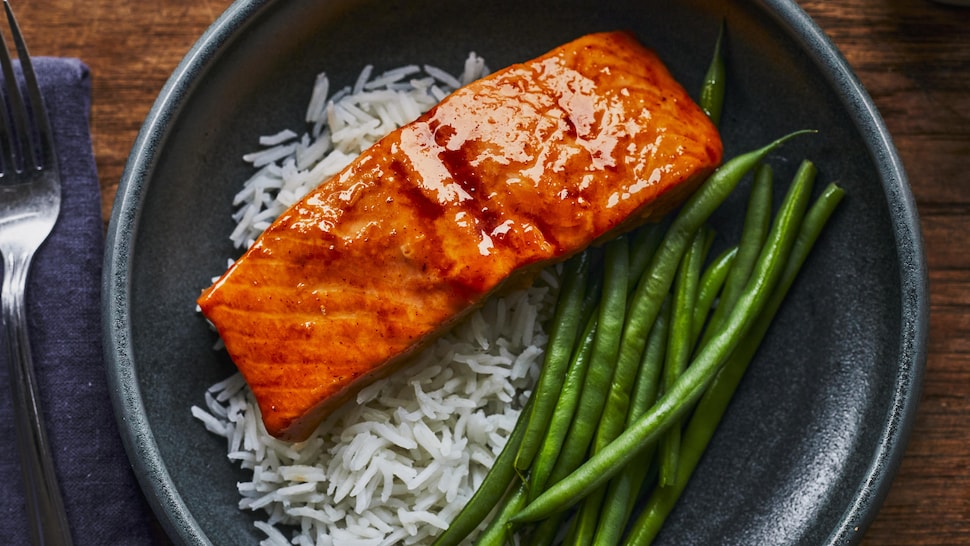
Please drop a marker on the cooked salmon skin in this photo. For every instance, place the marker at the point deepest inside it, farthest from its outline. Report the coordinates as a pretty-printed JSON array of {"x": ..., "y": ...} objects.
[{"x": 520, "y": 169}]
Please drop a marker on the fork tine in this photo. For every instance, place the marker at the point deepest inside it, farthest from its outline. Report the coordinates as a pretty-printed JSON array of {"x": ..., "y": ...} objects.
[
  {"x": 10, "y": 105},
  {"x": 16, "y": 121},
  {"x": 42, "y": 125}
]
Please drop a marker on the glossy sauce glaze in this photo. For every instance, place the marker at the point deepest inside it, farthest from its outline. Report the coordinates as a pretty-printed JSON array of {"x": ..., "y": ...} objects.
[{"x": 515, "y": 171}]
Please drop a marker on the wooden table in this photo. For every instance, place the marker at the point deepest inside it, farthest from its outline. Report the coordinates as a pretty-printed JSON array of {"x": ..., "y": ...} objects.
[{"x": 912, "y": 55}]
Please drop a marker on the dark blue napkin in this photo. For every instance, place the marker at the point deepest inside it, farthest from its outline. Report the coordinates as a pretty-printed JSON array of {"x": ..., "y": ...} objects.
[{"x": 104, "y": 503}]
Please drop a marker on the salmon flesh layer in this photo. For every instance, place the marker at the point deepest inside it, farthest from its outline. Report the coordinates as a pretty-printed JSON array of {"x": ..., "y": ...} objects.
[{"x": 523, "y": 168}]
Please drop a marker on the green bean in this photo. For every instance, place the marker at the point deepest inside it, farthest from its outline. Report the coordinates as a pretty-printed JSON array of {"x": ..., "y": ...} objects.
[
  {"x": 565, "y": 410},
  {"x": 712, "y": 405},
  {"x": 679, "y": 345},
  {"x": 757, "y": 221},
  {"x": 546, "y": 531},
  {"x": 647, "y": 385},
  {"x": 497, "y": 532},
  {"x": 594, "y": 291},
  {"x": 491, "y": 490},
  {"x": 617, "y": 401},
  {"x": 711, "y": 98},
  {"x": 623, "y": 490},
  {"x": 615, "y": 414},
  {"x": 674, "y": 403},
  {"x": 586, "y": 519},
  {"x": 710, "y": 286},
  {"x": 643, "y": 246},
  {"x": 602, "y": 361},
  {"x": 562, "y": 338}
]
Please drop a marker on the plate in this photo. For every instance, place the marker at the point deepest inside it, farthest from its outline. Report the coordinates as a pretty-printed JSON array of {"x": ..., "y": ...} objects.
[{"x": 809, "y": 446}]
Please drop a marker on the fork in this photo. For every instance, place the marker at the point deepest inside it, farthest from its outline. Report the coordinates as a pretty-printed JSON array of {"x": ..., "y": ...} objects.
[{"x": 30, "y": 200}]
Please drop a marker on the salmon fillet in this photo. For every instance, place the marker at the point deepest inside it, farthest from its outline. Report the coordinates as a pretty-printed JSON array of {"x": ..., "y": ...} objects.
[{"x": 523, "y": 168}]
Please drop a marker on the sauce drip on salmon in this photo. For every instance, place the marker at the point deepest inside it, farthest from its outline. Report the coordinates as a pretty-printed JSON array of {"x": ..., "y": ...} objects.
[{"x": 511, "y": 173}]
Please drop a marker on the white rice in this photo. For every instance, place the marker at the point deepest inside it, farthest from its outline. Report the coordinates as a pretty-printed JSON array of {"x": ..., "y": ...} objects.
[{"x": 396, "y": 466}]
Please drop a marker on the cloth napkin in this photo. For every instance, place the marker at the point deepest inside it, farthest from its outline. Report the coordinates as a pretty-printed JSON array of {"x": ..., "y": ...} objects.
[{"x": 104, "y": 503}]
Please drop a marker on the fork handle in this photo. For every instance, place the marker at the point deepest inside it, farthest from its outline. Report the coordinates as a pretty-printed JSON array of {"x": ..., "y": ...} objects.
[{"x": 46, "y": 517}]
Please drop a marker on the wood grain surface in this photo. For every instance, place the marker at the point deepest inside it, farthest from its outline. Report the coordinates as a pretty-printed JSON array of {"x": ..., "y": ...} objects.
[{"x": 912, "y": 55}]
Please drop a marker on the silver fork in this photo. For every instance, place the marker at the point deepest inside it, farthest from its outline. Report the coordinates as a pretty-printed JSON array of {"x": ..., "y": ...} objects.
[{"x": 30, "y": 200}]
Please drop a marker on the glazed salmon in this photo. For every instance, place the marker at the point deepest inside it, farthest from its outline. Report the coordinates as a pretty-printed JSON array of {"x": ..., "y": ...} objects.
[{"x": 523, "y": 168}]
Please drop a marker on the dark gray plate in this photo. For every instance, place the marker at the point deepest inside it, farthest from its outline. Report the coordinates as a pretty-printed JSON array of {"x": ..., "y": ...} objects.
[{"x": 810, "y": 444}]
